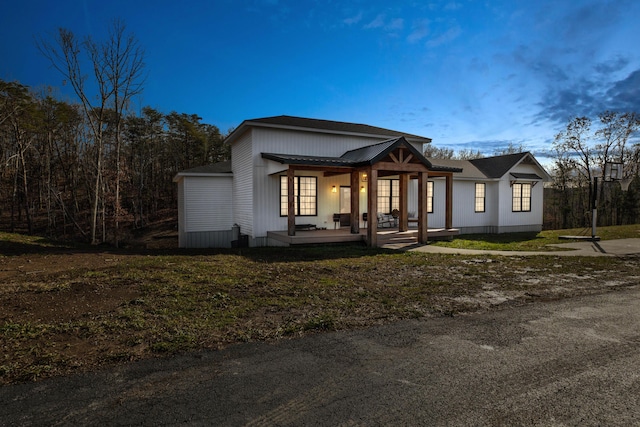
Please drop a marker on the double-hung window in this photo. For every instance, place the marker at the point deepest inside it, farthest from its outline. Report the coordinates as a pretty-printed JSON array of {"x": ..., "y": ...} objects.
[
  {"x": 305, "y": 189},
  {"x": 480, "y": 197},
  {"x": 388, "y": 195},
  {"x": 521, "y": 197},
  {"x": 429, "y": 196}
]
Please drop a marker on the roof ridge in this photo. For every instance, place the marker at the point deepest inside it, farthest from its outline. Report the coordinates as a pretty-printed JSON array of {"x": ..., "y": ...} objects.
[{"x": 332, "y": 125}]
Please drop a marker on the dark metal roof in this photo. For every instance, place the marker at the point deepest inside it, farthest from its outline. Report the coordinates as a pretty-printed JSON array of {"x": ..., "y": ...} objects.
[
  {"x": 333, "y": 126},
  {"x": 496, "y": 167},
  {"x": 359, "y": 157},
  {"x": 220, "y": 167},
  {"x": 299, "y": 159},
  {"x": 518, "y": 175},
  {"x": 374, "y": 153},
  {"x": 437, "y": 168},
  {"x": 367, "y": 154}
]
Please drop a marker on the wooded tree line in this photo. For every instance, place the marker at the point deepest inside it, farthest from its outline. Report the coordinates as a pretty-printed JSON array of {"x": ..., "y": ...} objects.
[
  {"x": 80, "y": 170},
  {"x": 580, "y": 154},
  {"x": 468, "y": 154},
  {"x": 49, "y": 161}
]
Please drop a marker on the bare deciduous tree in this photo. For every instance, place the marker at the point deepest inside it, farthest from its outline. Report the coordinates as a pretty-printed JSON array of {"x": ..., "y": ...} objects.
[
  {"x": 124, "y": 61},
  {"x": 117, "y": 65}
]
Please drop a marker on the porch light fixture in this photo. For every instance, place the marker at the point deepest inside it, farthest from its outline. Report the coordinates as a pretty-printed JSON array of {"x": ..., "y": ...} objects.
[
  {"x": 362, "y": 189},
  {"x": 364, "y": 177},
  {"x": 334, "y": 189}
]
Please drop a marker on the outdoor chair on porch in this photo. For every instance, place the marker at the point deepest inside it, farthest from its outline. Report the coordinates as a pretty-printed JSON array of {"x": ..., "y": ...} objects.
[
  {"x": 342, "y": 219},
  {"x": 386, "y": 221}
]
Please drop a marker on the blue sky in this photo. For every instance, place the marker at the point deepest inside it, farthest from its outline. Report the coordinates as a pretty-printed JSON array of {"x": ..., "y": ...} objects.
[{"x": 469, "y": 74}]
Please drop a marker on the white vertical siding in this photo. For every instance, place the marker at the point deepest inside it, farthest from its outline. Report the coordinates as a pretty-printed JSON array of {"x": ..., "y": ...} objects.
[
  {"x": 242, "y": 167},
  {"x": 494, "y": 198},
  {"x": 181, "y": 214},
  {"x": 464, "y": 196},
  {"x": 464, "y": 215},
  {"x": 207, "y": 203}
]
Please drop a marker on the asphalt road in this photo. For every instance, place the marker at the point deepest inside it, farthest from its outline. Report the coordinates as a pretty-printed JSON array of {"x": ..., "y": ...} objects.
[{"x": 570, "y": 362}]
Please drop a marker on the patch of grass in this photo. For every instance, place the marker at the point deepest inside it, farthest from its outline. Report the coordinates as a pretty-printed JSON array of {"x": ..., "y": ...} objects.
[
  {"x": 324, "y": 322},
  {"x": 174, "y": 341},
  {"x": 17, "y": 244},
  {"x": 535, "y": 241}
]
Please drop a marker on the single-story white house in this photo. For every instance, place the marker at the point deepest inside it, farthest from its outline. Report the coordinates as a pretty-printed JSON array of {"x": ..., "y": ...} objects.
[{"x": 290, "y": 175}]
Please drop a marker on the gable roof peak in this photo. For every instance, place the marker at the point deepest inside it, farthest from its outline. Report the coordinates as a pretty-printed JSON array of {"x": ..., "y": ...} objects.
[{"x": 498, "y": 166}]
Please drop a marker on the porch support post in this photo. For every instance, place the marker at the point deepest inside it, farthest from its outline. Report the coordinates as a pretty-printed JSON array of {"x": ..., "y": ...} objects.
[
  {"x": 372, "y": 208},
  {"x": 449, "y": 202},
  {"x": 422, "y": 207},
  {"x": 403, "y": 225},
  {"x": 291, "y": 205},
  {"x": 355, "y": 202}
]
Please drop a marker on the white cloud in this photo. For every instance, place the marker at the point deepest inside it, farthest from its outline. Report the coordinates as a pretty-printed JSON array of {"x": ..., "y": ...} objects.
[
  {"x": 450, "y": 35},
  {"x": 378, "y": 22},
  {"x": 381, "y": 22},
  {"x": 419, "y": 31},
  {"x": 452, "y": 6},
  {"x": 353, "y": 20},
  {"x": 395, "y": 24}
]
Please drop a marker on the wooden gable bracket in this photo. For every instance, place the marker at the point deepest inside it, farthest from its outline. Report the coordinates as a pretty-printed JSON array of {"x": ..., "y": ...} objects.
[{"x": 401, "y": 159}]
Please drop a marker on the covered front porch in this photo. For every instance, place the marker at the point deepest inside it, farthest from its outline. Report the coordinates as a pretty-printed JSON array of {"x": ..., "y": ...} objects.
[
  {"x": 364, "y": 167},
  {"x": 384, "y": 237}
]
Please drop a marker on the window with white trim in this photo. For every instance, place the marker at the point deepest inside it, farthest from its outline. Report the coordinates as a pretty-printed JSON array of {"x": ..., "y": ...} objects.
[
  {"x": 305, "y": 190},
  {"x": 521, "y": 192},
  {"x": 480, "y": 197}
]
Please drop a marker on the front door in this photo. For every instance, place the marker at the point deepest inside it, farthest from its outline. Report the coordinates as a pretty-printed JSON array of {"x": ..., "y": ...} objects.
[{"x": 345, "y": 200}]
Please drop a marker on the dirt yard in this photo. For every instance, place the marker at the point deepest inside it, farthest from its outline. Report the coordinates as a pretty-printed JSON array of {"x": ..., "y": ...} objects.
[{"x": 67, "y": 310}]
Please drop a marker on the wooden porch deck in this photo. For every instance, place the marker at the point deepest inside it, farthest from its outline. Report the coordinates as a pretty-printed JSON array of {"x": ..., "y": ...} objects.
[{"x": 386, "y": 236}]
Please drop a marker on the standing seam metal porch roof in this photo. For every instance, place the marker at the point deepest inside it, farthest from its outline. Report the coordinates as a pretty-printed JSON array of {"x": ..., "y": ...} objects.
[
  {"x": 518, "y": 175},
  {"x": 368, "y": 155}
]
